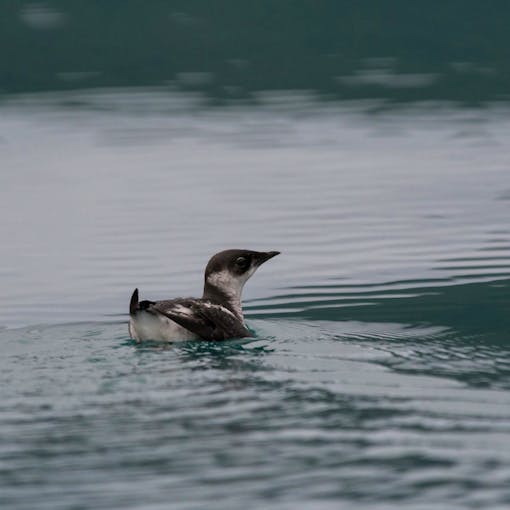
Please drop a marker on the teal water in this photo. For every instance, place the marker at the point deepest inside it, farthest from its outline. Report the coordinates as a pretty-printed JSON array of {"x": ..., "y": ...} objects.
[
  {"x": 379, "y": 374},
  {"x": 368, "y": 142},
  {"x": 399, "y": 51},
  {"x": 313, "y": 414}
]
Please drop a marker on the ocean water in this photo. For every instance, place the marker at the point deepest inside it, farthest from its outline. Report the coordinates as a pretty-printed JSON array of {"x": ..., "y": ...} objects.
[{"x": 379, "y": 374}]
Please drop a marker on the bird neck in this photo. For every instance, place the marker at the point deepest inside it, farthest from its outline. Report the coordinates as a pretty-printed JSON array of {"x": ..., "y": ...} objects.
[{"x": 230, "y": 299}]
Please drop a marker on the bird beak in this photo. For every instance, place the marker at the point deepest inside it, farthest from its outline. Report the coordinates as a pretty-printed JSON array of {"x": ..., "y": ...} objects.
[{"x": 264, "y": 256}]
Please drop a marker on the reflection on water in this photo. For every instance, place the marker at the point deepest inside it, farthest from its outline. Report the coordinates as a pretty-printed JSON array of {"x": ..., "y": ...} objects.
[
  {"x": 337, "y": 50},
  {"x": 402, "y": 210},
  {"x": 380, "y": 368}
]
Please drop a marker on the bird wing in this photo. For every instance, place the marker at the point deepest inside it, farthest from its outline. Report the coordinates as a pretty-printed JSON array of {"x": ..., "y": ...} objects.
[{"x": 207, "y": 320}]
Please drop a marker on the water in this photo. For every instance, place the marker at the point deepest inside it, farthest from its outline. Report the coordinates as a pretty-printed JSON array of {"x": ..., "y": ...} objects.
[
  {"x": 366, "y": 142},
  {"x": 380, "y": 371},
  {"x": 400, "y": 52}
]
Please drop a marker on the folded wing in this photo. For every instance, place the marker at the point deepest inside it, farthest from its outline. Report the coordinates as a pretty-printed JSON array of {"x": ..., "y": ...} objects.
[{"x": 203, "y": 318}]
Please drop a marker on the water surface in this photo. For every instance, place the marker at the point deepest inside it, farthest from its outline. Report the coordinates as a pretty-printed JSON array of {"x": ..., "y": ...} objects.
[{"x": 379, "y": 374}]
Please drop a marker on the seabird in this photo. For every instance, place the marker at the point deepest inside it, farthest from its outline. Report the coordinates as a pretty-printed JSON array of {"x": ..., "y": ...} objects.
[{"x": 218, "y": 315}]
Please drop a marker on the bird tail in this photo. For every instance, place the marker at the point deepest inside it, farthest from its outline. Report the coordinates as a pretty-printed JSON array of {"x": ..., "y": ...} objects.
[{"x": 133, "y": 303}]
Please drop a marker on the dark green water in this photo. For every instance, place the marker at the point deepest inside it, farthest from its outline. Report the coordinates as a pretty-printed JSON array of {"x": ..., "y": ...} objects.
[
  {"x": 229, "y": 50},
  {"x": 368, "y": 144}
]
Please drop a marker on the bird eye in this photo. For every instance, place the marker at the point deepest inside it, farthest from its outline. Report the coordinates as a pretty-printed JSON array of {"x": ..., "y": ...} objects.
[{"x": 242, "y": 262}]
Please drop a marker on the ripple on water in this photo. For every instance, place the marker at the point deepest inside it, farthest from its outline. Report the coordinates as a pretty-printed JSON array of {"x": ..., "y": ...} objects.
[
  {"x": 362, "y": 204},
  {"x": 379, "y": 373},
  {"x": 369, "y": 412}
]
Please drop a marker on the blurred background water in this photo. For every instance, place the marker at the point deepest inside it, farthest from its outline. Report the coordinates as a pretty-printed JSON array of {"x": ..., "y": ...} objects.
[{"x": 367, "y": 141}]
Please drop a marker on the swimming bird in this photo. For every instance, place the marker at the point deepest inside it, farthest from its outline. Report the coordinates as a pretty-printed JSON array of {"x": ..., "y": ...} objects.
[{"x": 217, "y": 315}]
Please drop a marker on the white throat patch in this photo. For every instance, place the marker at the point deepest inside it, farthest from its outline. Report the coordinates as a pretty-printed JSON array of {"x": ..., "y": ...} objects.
[{"x": 231, "y": 285}]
